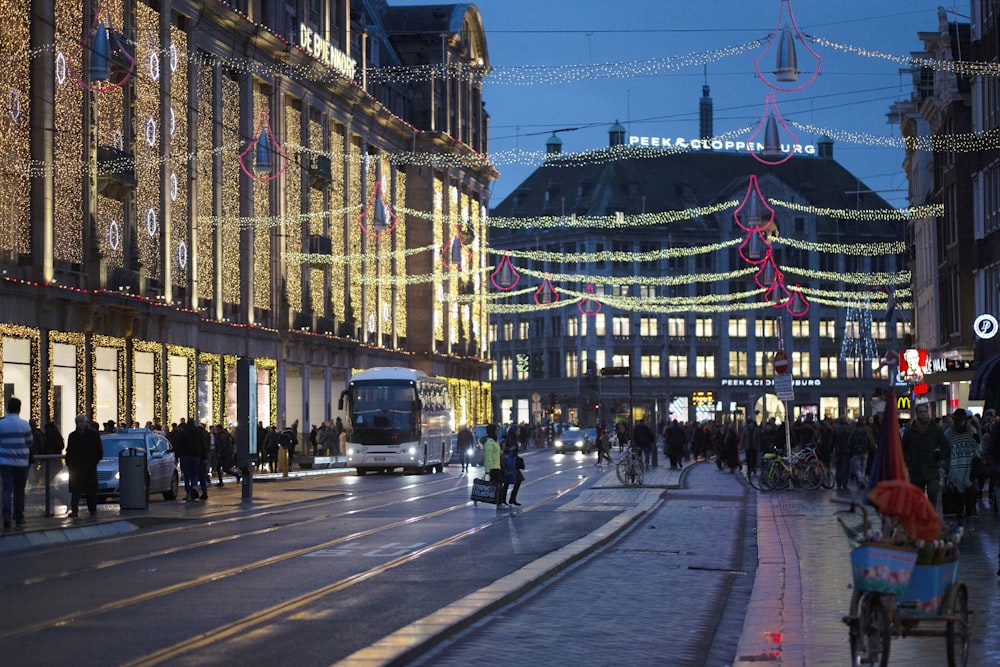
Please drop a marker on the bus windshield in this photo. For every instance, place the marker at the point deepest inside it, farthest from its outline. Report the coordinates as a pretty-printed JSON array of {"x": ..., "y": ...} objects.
[{"x": 382, "y": 413}]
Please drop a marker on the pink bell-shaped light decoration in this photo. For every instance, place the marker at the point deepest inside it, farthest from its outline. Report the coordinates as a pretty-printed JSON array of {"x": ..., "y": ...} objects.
[
  {"x": 798, "y": 305},
  {"x": 505, "y": 277},
  {"x": 767, "y": 275},
  {"x": 781, "y": 46},
  {"x": 377, "y": 219},
  {"x": 263, "y": 159},
  {"x": 589, "y": 305},
  {"x": 104, "y": 46},
  {"x": 754, "y": 248},
  {"x": 454, "y": 254},
  {"x": 753, "y": 214},
  {"x": 546, "y": 295},
  {"x": 778, "y": 294},
  {"x": 772, "y": 142}
]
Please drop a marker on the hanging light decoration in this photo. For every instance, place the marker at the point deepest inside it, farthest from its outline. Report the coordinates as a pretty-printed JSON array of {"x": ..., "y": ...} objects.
[
  {"x": 505, "y": 277},
  {"x": 778, "y": 295},
  {"x": 589, "y": 305},
  {"x": 766, "y": 143},
  {"x": 754, "y": 248},
  {"x": 267, "y": 152},
  {"x": 798, "y": 305},
  {"x": 546, "y": 295},
  {"x": 750, "y": 214},
  {"x": 377, "y": 219},
  {"x": 102, "y": 44},
  {"x": 454, "y": 254},
  {"x": 768, "y": 274},
  {"x": 782, "y": 47}
]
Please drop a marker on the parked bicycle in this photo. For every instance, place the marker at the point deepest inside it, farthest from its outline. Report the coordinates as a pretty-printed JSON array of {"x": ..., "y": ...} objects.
[
  {"x": 630, "y": 468},
  {"x": 778, "y": 472}
]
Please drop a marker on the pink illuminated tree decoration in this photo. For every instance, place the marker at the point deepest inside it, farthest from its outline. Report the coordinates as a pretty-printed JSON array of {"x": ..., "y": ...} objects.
[
  {"x": 265, "y": 147},
  {"x": 546, "y": 295},
  {"x": 768, "y": 132},
  {"x": 377, "y": 219},
  {"x": 455, "y": 255},
  {"x": 798, "y": 305},
  {"x": 753, "y": 213},
  {"x": 754, "y": 248},
  {"x": 97, "y": 41},
  {"x": 589, "y": 305},
  {"x": 781, "y": 46},
  {"x": 505, "y": 277}
]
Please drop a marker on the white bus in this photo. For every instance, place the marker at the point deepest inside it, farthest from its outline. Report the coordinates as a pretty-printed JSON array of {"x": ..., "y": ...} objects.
[{"x": 397, "y": 418}]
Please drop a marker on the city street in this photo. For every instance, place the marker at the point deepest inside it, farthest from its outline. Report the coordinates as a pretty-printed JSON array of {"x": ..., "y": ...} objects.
[{"x": 390, "y": 569}]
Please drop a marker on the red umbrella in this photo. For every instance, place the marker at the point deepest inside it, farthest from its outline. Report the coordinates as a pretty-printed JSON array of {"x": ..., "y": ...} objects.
[
  {"x": 908, "y": 503},
  {"x": 888, "y": 462}
]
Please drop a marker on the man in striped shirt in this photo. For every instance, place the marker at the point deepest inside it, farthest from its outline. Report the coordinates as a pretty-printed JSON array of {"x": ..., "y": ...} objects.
[{"x": 15, "y": 456}]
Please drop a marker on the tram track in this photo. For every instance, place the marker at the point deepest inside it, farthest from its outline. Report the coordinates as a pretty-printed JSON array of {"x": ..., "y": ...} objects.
[{"x": 91, "y": 613}]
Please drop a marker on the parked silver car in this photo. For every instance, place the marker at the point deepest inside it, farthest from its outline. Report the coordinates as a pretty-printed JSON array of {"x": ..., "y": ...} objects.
[{"x": 162, "y": 473}]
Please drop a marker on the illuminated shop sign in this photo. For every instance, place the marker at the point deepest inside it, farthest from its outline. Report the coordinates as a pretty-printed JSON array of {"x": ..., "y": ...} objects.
[
  {"x": 767, "y": 382},
  {"x": 325, "y": 52},
  {"x": 716, "y": 145},
  {"x": 702, "y": 399}
]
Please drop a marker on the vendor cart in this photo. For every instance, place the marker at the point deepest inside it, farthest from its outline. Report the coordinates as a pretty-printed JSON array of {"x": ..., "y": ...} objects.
[{"x": 895, "y": 597}]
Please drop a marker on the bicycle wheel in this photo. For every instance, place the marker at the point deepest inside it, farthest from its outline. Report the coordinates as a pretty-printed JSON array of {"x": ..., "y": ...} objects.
[
  {"x": 770, "y": 477},
  {"x": 753, "y": 479},
  {"x": 958, "y": 625},
  {"x": 870, "y": 639},
  {"x": 828, "y": 481},
  {"x": 621, "y": 471},
  {"x": 808, "y": 476}
]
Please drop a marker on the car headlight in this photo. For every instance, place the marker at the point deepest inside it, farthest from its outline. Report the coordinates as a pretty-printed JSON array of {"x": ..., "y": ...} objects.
[{"x": 579, "y": 444}]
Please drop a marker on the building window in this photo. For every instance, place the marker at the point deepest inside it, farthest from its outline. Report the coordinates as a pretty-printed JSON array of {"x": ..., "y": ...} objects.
[
  {"x": 599, "y": 327},
  {"x": 508, "y": 330},
  {"x": 675, "y": 326},
  {"x": 650, "y": 365},
  {"x": 851, "y": 329},
  {"x": 879, "y": 329},
  {"x": 599, "y": 358},
  {"x": 522, "y": 366},
  {"x": 828, "y": 328},
  {"x": 524, "y": 330},
  {"x": 800, "y": 365},
  {"x": 738, "y": 327},
  {"x": 828, "y": 367},
  {"x": 620, "y": 326},
  {"x": 621, "y": 360},
  {"x": 493, "y": 332},
  {"x": 678, "y": 366},
  {"x": 737, "y": 363},
  {"x": 649, "y": 326},
  {"x": 506, "y": 367},
  {"x": 703, "y": 327},
  {"x": 761, "y": 362},
  {"x": 766, "y": 328},
  {"x": 800, "y": 327},
  {"x": 572, "y": 326},
  {"x": 647, "y": 291},
  {"x": 572, "y": 364},
  {"x": 704, "y": 365}
]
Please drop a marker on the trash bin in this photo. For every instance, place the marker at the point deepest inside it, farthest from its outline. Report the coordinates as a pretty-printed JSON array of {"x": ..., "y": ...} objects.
[{"x": 133, "y": 493}]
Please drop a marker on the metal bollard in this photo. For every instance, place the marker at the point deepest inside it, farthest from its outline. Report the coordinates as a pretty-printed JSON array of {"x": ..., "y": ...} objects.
[{"x": 283, "y": 461}]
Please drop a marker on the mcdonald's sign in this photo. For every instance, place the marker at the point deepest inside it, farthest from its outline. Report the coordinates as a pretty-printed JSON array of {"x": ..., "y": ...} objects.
[{"x": 904, "y": 403}]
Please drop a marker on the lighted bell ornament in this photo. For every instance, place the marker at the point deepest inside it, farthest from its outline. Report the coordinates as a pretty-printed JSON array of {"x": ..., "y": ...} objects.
[
  {"x": 505, "y": 277},
  {"x": 269, "y": 159},
  {"x": 772, "y": 142},
  {"x": 589, "y": 305},
  {"x": 377, "y": 219},
  {"x": 100, "y": 55},
  {"x": 798, "y": 305},
  {"x": 753, "y": 214},
  {"x": 781, "y": 46},
  {"x": 754, "y": 248},
  {"x": 767, "y": 275},
  {"x": 546, "y": 295}
]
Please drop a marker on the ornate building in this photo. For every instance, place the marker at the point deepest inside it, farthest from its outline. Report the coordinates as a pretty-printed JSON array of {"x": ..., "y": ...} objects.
[
  {"x": 188, "y": 183},
  {"x": 640, "y": 257}
]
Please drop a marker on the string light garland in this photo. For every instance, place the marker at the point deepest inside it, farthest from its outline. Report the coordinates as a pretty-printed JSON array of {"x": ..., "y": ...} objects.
[
  {"x": 962, "y": 68},
  {"x": 866, "y": 215},
  {"x": 642, "y": 280},
  {"x": 901, "y": 278},
  {"x": 615, "y": 256},
  {"x": 877, "y": 248}
]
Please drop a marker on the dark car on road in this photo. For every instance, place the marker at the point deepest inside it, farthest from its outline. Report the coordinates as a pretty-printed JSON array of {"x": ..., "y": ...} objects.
[{"x": 573, "y": 440}]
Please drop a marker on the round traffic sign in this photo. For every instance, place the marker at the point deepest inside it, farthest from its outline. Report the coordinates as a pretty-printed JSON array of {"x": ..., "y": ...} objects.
[{"x": 781, "y": 363}]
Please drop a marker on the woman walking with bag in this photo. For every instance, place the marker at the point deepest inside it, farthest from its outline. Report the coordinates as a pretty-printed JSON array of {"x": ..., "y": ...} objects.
[{"x": 512, "y": 475}]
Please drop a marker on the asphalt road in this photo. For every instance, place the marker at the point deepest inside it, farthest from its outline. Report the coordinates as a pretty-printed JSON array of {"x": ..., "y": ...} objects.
[{"x": 306, "y": 581}]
